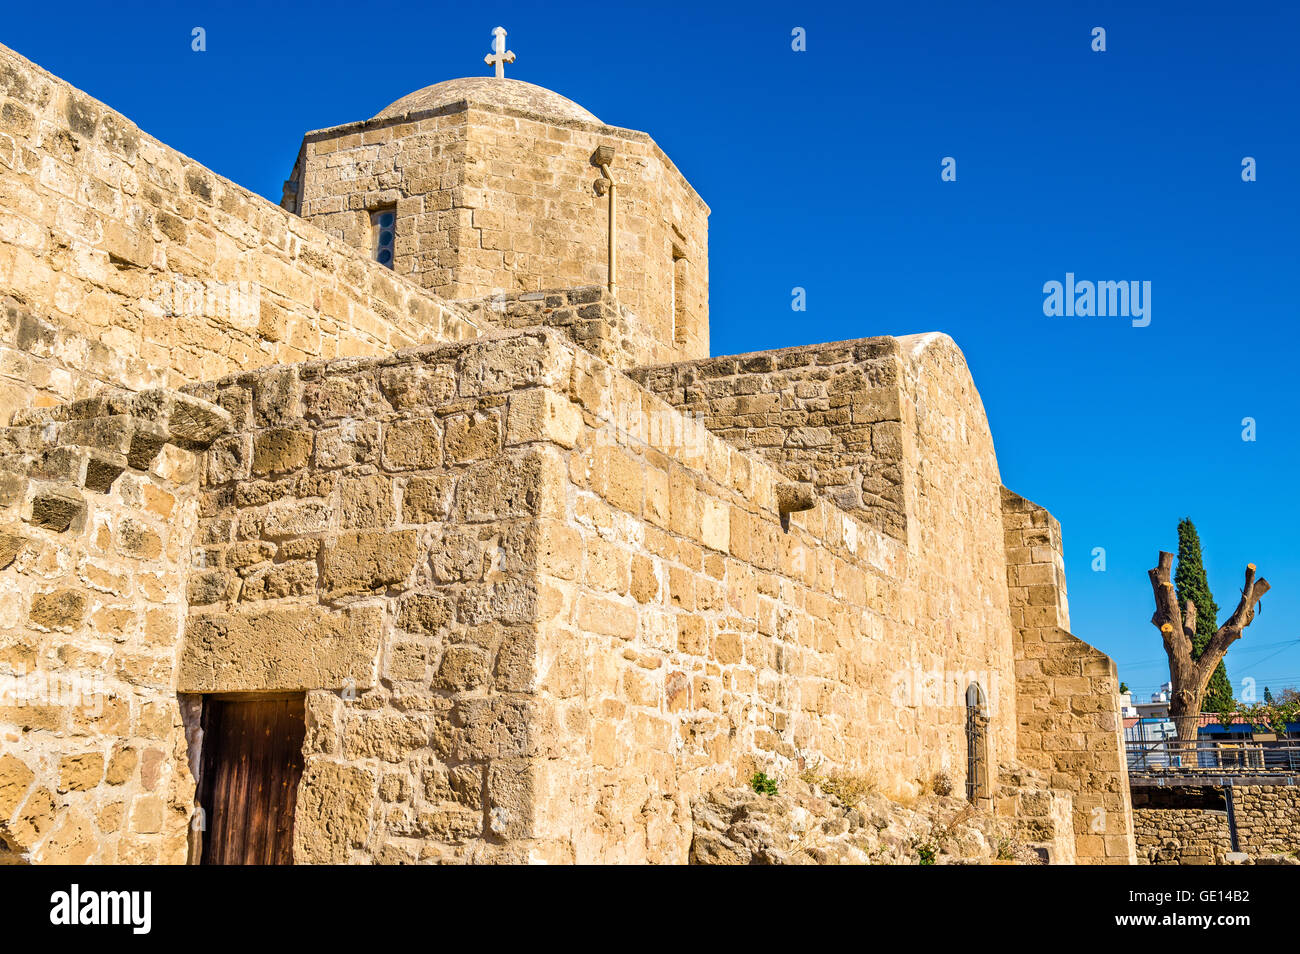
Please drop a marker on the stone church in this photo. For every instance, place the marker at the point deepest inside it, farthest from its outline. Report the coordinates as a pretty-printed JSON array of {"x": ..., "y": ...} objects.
[{"x": 411, "y": 520}]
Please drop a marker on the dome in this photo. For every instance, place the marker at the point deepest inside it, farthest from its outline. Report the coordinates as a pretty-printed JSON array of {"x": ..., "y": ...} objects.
[{"x": 490, "y": 91}]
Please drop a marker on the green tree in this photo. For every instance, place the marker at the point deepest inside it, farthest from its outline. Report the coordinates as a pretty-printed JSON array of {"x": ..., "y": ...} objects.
[
  {"x": 1268, "y": 696},
  {"x": 1191, "y": 584}
]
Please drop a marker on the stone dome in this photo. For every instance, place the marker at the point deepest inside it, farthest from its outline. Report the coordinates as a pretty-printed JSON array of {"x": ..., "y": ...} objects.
[{"x": 490, "y": 91}]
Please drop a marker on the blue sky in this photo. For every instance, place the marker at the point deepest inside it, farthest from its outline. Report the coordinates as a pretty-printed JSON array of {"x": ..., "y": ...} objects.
[{"x": 822, "y": 169}]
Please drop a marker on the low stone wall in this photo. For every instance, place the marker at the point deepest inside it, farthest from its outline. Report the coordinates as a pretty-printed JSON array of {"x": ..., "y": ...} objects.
[
  {"x": 123, "y": 262},
  {"x": 1189, "y": 825},
  {"x": 1268, "y": 818}
]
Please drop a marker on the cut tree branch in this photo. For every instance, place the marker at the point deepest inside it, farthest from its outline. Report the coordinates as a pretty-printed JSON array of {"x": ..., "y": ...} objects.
[
  {"x": 1177, "y": 626},
  {"x": 1167, "y": 613},
  {"x": 1241, "y": 617}
]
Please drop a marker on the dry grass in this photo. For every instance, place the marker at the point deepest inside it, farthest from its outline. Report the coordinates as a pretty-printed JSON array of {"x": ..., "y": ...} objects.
[{"x": 848, "y": 789}]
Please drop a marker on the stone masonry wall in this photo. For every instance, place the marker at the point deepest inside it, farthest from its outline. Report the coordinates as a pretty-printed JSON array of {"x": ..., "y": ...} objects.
[
  {"x": 1190, "y": 826},
  {"x": 829, "y": 414},
  {"x": 1041, "y": 817},
  {"x": 704, "y": 640},
  {"x": 1070, "y": 725},
  {"x": 1173, "y": 836},
  {"x": 543, "y": 609},
  {"x": 123, "y": 262},
  {"x": 368, "y": 535},
  {"x": 892, "y": 431},
  {"x": 492, "y": 200},
  {"x": 1268, "y": 818},
  {"x": 691, "y": 640},
  {"x": 590, "y": 316},
  {"x": 956, "y": 585},
  {"x": 98, "y": 503}
]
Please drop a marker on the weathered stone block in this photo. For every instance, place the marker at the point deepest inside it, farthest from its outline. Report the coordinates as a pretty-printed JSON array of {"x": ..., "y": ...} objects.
[
  {"x": 334, "y": 816},
  {"x": 426, "y": 499},
  {"x": 471, "y": 437},
  {"x": 78, "y": 773},
  {"x": 280, "y": 449},
  {"x": 368, "y": 560},
  {"x": 366, "y": 501},
  {"x": 193, "y": 423},
  {"x": 102, "y": 469},
  {"x": 59, "y": 609},
  {"x": 412, "y": 445},
  {"x": 424, "y": 612},
  {"x": 281, "y": 649},
  {"x": 11, "y": 544},
  {"x": 463, "y": 668},
  {"x": 58, "y": 510}
]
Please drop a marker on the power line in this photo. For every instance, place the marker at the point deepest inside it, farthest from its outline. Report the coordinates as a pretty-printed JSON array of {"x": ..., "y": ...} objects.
[{"x": 1237, "y": 653}]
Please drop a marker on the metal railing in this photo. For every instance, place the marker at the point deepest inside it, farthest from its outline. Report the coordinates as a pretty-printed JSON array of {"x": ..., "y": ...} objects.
[{"x": 1214, "y": 756}]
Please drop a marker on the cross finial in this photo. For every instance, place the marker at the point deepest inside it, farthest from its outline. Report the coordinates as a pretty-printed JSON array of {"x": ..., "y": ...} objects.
[{"x": 502, "y": 56}]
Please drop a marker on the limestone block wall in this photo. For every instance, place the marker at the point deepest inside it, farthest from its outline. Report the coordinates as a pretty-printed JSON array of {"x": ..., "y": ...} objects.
[
  {"x": 1268, "y": 818},
  {"x": 1189, "y": 826},
  {"x": 419, "y": 518},
  {"x": 829, "y": 414},
  {"x": 1173, "y": 836},
  {"x": 535, "y": 609},
  {"x": 1181, "y": 826},
  {"x": 590, "y": 315},
  {"x": 98, "y": 503},
  {"x": 494, "y": 200},
  {"x": 715, "y": 642},
  {"x": 369, "y": 534},
  {"x": 123, "y": 262},
  {"x": 956, "y": 585},
  {"x": 690, "y": 639},
  {"x": 1067, "y": 691},
  {"x": 891, "y": 430},
  {"x": 1042, "y": 817}
]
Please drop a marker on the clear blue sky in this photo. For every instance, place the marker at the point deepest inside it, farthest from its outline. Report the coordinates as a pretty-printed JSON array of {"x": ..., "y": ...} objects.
[{"x": 822, "y": 169}]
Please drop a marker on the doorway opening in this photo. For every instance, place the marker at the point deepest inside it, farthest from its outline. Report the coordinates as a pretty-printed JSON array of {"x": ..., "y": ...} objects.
[{"x": 248, "y": 786}]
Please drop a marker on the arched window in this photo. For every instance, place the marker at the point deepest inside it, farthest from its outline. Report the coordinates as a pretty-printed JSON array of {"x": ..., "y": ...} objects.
[
  {"x": 680, "y": 311},
  {"x": 977, "y": 743}
]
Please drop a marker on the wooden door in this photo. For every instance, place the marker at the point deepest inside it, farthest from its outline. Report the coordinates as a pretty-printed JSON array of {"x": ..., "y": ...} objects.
[{"x": 252, "y": 761}]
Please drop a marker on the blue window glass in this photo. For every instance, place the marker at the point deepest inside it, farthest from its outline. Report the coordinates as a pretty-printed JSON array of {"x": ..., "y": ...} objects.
[{"x": 383, "y": 225}]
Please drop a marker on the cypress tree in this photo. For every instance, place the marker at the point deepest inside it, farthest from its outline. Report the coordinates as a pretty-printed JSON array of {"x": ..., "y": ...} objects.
[{"x": 1191, "y": 584}]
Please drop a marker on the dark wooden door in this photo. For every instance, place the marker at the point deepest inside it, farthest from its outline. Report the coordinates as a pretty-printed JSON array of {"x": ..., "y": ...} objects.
[{"x": 252, "y": 761}]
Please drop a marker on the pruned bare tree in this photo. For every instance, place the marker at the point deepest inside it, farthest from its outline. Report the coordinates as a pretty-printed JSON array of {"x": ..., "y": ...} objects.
[{"x": 1177, "y": 627}]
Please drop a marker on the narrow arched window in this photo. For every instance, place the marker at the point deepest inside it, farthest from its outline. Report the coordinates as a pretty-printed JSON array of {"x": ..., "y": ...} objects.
[
  {"x": 977, "y": 747},
  {"x": 679, "y": 310}
]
